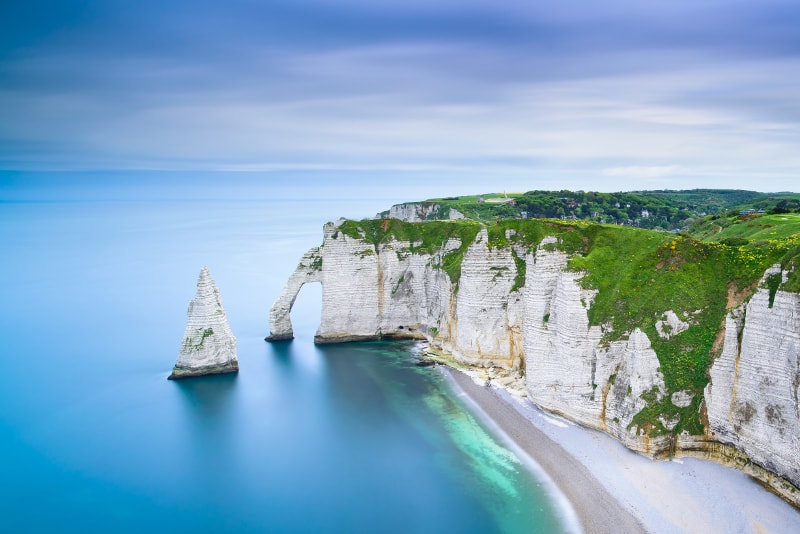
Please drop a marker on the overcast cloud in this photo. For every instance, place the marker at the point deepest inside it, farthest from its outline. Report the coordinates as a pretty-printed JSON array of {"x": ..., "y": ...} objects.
[{"x": 598, "y": 95}]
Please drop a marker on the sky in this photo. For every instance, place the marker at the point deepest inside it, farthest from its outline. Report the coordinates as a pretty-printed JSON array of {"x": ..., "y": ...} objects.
[{"x": 484, "y": 95}]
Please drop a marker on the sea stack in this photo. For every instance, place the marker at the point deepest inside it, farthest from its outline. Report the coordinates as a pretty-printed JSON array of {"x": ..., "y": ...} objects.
[{"x": 209, "y": 346}]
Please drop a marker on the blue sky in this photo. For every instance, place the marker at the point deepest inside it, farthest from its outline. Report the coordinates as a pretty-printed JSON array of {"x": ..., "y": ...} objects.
[{"x": 499, "y": 95}]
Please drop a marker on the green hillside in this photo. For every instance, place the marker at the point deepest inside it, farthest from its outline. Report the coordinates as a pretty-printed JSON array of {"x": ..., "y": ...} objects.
[
  {"x": 748, "y": 227},
  {"x": 661, "y": 210}
]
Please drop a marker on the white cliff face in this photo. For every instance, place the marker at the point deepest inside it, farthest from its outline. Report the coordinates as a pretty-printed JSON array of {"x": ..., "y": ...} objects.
[
  {"x": 382, "y": 291},
  {"x": 367, "y": 291},
  {"x": 209, "y": 346},
  {"x": 752, "y": 398},
  {"x": 568, "y": 368},
  {"x": 413, "y": 212},
  {"x": 542, "y": 328},
  {"x": 637, "y": 373},
  {"x": 421, "y": 212},
  {"x": 488, "y": 330},
  {"x": 387, "y": 291},
  {"x": 454, "y": 215}
]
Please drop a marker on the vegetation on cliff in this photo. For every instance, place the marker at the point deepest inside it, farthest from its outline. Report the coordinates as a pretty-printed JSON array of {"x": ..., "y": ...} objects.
[
  {"x": 638, "y": 274},
  {"x": 641, "y": 274},
  {"x": 427, "y": 238},
  {"x": 756, "y": 231}
]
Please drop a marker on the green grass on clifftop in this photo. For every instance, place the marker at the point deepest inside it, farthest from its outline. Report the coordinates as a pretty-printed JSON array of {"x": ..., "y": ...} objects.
[
  {"x": 638, "y": 275},
  {"x": 749, "y": 227},
  {"x": 425, "y": 238},
  {"x": 757, "y": 232}
]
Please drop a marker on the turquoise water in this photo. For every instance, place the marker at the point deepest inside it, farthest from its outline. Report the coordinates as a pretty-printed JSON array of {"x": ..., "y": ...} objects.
[{"x": 339, "y": 438}]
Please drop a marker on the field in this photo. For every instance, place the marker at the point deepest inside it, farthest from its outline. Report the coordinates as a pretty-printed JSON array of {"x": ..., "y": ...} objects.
[{"x": 752, "y": 228}]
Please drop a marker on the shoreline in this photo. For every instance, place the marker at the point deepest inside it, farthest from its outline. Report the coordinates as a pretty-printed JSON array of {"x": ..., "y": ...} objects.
[
  {"x": 597, "y": 511},
  {"x": 613, "y": 489}
]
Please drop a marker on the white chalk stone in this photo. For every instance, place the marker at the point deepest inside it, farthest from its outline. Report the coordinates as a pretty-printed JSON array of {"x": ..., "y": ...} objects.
[
  {"x": 752, "y": 398},
  {"x": 670, "y": 325},
  {"x": 208, "y": 346}
]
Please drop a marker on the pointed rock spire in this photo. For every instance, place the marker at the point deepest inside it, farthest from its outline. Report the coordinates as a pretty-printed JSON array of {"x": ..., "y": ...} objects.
[{"x": 209, "y": 346}]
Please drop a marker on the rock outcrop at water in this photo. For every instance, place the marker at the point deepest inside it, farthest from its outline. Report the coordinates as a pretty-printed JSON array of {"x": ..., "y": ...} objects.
[
  {"x": 208, "y": 346},
  {"x": 501, "y": 304}
]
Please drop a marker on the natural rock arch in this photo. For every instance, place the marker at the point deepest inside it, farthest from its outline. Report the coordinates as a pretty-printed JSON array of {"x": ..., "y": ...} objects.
[{"x": 307, "y": 271}]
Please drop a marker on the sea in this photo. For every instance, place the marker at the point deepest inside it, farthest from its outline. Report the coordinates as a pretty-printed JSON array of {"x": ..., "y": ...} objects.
[{"x": 97, "y": 273}]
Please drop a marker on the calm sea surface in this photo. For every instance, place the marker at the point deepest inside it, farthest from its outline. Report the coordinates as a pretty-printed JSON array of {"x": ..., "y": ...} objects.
[{"x": 342, "y": 438}]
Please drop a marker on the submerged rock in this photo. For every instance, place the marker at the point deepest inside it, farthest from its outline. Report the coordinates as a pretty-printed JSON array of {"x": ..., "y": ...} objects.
[{"x": 209, "y": 346}]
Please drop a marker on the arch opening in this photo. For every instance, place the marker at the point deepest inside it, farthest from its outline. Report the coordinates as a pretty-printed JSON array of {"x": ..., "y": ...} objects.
[
  {"x": 306, "y": 310},
  {"x": 307, "y": 271}
]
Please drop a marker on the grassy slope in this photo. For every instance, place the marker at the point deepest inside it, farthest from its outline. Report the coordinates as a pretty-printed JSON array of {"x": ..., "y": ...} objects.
[
  {"x": 667, "y": 209},
  {"x": 482, "y": 211},
  {"x": 762, "y": 227},
  {"x": 641, "y": 274},
  {"x": 755, "y": 233}
]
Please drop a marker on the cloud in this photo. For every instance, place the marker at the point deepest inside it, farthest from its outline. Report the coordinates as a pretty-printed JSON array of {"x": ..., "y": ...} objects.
[
  {"x": 642, "y": 172},
  {"x": 579, "y": 91}
]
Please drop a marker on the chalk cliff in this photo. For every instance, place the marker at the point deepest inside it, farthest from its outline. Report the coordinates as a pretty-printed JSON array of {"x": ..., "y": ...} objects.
[
  {"x": 752, "y": 397},
  {"x": 568, "y": 369},
  {"x": 208, "y": 346},
  {"x": 503, "y": 297},
  {"x": 393, "y": 289},
  {"x": 421, "y": 212}
]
